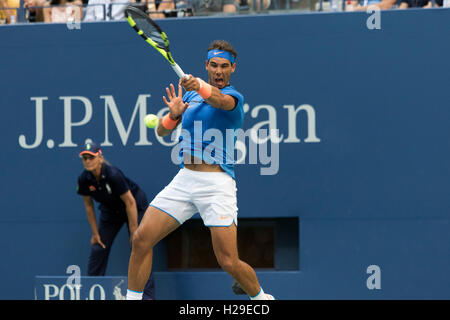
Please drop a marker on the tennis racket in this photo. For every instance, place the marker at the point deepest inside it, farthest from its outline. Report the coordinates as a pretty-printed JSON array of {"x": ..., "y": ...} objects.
[{"x": 153, "y": 35}]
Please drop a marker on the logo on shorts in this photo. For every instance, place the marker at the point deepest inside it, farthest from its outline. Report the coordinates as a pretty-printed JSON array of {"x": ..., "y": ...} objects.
[{"x": 223, "y": 217}]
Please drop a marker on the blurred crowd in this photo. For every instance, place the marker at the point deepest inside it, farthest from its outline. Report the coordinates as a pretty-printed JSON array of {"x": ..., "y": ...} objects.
[
  {"x": 99, "y": 10},
  {"x": 355, "y": 5}
]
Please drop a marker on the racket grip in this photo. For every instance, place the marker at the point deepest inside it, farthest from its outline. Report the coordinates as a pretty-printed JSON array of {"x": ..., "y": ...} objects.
[{"x": 179, "y": 72}]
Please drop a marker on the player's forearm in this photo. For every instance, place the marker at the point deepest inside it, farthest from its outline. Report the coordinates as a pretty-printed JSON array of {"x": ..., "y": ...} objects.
[
  {"x": 162, "y": 131},
  {"x": 219, "y": 100},
  {"x": 214, "y": 97}
]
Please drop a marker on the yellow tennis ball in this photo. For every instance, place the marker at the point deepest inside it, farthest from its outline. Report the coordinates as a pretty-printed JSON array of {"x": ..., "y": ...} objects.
[{"x": 151, "y": 120}]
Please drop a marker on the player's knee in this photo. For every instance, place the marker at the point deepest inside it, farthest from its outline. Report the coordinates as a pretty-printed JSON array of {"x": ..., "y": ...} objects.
[
  {"x": 139, "y": 243},
  {"x": 227, "y": 263}
]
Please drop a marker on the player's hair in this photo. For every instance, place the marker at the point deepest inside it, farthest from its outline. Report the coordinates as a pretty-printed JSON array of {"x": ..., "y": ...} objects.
[{"x": 223, "y": 45}]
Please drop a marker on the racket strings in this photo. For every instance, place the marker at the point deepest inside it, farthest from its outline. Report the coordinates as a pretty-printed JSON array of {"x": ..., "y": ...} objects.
[{"x": 149, "y": 30}]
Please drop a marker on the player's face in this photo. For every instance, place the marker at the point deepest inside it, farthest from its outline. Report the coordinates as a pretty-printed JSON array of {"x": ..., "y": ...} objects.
[
  {"x": 219, "y": 72},
  {"x": 91, "y": 163}
]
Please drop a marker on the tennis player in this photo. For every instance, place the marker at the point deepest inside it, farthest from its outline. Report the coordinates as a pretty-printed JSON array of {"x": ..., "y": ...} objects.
[{"x": 205, "y": 182}]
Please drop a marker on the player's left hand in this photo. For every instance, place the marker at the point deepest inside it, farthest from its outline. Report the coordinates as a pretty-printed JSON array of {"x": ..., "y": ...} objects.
[{"x": 175, "y": 103}]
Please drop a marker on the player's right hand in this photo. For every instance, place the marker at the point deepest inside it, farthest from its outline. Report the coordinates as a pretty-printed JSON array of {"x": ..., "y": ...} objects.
[
  {"x": 191, "y": 83},
  {"x": 96, "y": 239}
]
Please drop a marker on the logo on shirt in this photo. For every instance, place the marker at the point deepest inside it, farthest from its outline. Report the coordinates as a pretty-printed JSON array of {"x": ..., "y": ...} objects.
[{"x": 92, "y": 188}]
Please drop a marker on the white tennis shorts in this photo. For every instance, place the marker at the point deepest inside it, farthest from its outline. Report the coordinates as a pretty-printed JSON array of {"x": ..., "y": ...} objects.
[{"x": 212, "y": 194}]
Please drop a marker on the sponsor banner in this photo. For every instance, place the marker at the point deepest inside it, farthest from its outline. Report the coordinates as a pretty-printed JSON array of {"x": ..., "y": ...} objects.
[{"x": 82, "y": 288}]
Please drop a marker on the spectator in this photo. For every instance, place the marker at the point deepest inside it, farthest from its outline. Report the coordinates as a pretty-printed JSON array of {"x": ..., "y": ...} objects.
[
  {"x": 405, "y": 4},
  {"x": 156, "y": 8},
  {"x": 3, "y": 11},
  {"x": 202, "y": 7},
  {"x": 266, "y": 4},
  {"x": 106, "y": 10},
  {"x": 35, "y": 14},
  {"x": 206, "y": 7},
  {"x": 9, "y": 15},
  {"x": 63, "y": 11},
  {"x": 363, "y": 5}
]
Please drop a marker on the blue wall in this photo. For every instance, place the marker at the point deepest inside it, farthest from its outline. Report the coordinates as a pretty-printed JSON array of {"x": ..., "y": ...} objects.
[{"x": 373, "y": 191}]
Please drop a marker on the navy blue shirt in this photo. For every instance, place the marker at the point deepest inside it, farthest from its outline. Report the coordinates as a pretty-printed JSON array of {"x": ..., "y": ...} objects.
[{"x": 107, "y": 191}]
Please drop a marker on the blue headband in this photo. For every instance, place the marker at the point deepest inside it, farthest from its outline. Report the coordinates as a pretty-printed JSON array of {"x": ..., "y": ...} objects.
[{"x": 220, "y": 54}]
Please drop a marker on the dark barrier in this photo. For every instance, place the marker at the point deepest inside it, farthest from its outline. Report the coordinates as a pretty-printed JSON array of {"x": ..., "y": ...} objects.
[{"x": 362, "y": 107}]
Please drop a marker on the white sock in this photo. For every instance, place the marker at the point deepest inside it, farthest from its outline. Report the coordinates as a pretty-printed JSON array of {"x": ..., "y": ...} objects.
[
  {"x": 134, "y": 295},
  {"x": 260, "y": 296}
]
